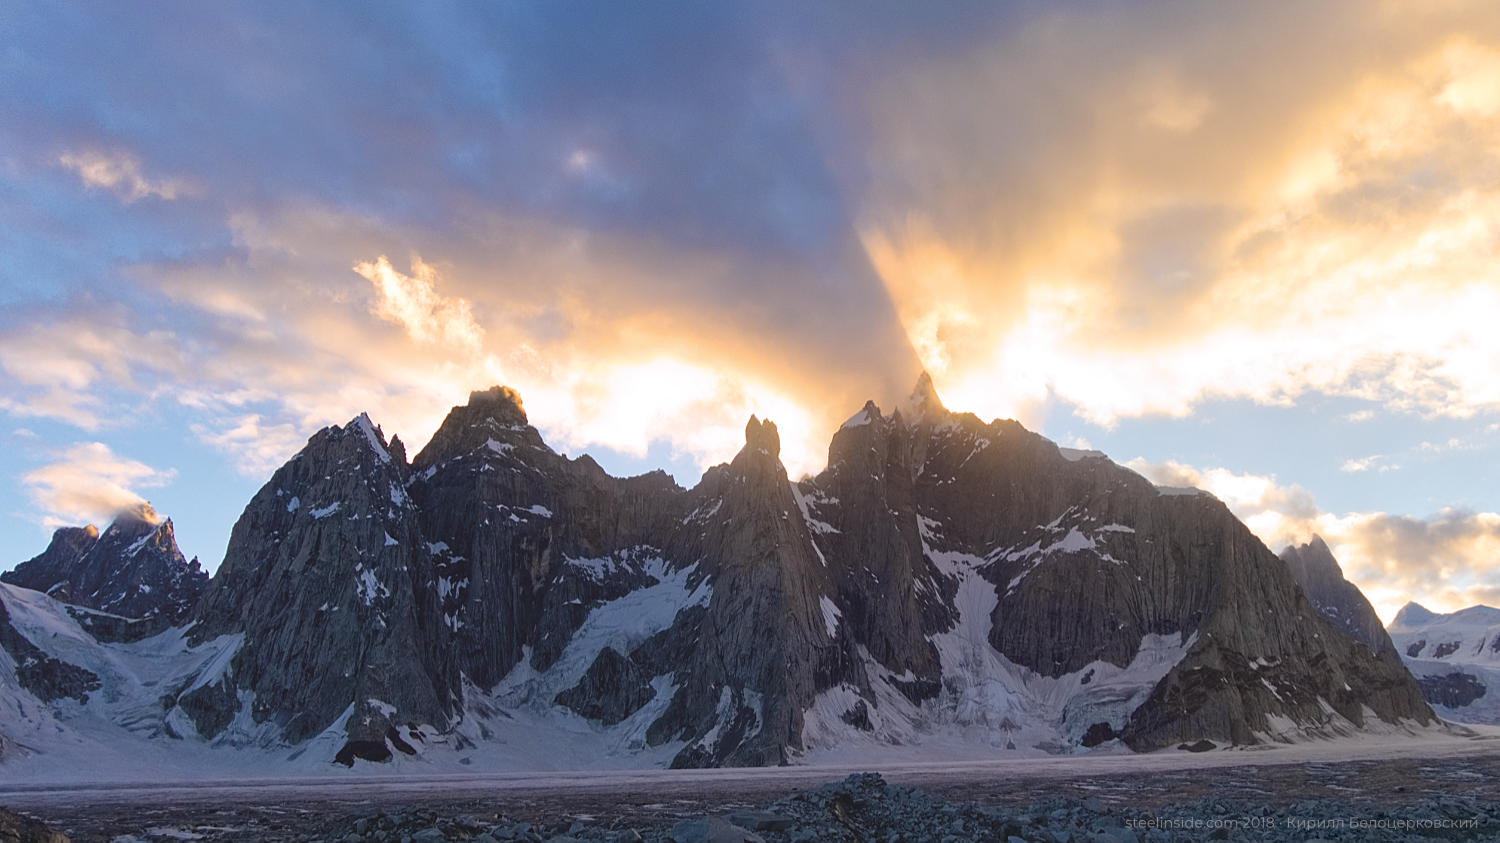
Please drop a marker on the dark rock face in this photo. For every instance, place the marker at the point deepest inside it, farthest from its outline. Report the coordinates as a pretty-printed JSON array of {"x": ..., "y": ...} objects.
[
  {"x": 613, "y": 688},
  {"x": 1335, "y": 598},
  {"x": 764, "y": 648},
  {"x": 330, "y": 582},
  {"x": 864, "y": 513},
  {"x": 502, "y": 512},
  {"x": 1454, "y": 690},
  {"x": 1262, "y": 651},
  {"x": 1086, "y": 559},
  {"x": 134, "y": 570},
  {"x": 52, "y": 570},
  {"x": 46, "y": 677},
  {"x": 1098, "y": 733}
]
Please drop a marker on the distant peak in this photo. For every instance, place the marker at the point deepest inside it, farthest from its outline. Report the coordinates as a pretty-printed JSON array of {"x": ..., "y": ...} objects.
[
  {"x": 1315, "y": 549},
  {"x": 502, "y": 401},
  {"x": 762, "y": 436},
  {"x": 1413, "y": 614},
  {"x": 923, "y": 399}
]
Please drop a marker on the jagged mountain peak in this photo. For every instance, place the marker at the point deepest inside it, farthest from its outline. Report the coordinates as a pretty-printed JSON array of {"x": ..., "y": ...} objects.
[
  {"x": 492, "y": 418},
  {"x": 1336, "y": 599},
  {"x": 923, "y": 401},
  {"x": 135, "y": 527},
  {"x": 912, "y": 588},
  {"x": 80, "y": 536},
  {"x": 1314, "y": 548},
  {"x": 867, "y": 414},
  {"x": 502, "y": 401},
  {"x": 1314, "y": 553},
  {"x": 133, "y": 571},
  {"x": 373, "y": 435},
  {"x": 762, "y": 436}
]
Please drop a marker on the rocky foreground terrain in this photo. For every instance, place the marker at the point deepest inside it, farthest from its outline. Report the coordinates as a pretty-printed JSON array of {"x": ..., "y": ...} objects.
[{"x": 1390, "y": 799}]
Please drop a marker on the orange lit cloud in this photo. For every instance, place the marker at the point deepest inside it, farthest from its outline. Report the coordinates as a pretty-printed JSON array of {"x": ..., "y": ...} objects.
[
  {"x": 411, "y": 301},
  {"x": 611, "y": 344},
  {"x": 120, "y": 173},
  {"x": 1135, "y": 210},
  {"x": 88, "y": 482}
]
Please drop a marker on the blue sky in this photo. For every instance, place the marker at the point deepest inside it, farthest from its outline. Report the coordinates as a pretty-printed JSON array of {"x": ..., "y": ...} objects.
[{"x": 1248, "y": 248}]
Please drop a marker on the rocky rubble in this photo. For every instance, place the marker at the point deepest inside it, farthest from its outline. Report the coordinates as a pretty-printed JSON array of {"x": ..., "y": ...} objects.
[
  {"x": 864, "y": 807},
  {"x": 15, "y": 828}
]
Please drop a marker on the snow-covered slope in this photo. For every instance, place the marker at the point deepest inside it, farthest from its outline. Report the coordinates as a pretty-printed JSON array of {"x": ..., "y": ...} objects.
[
  {"x": 1455, "y": 657},
  {"x": 72, "y": 707}
]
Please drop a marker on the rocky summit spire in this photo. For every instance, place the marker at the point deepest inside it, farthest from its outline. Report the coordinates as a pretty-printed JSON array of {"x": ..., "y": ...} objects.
[
  {"x": 502, "y": 402},
  {"x": 1335, "y": 598},
  {"x": 923, "y": 401},
  {"x": 762, "y": 436},
  {"x": 493, "y": 415},
  {"x": 328, "y": 578}
]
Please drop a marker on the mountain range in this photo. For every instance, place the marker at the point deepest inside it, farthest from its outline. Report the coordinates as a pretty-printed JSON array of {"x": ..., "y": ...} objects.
[{"x": 945, "y": 587}]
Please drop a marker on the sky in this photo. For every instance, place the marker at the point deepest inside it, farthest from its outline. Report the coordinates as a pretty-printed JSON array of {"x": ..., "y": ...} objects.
[{"x": 1247, "y": 247}]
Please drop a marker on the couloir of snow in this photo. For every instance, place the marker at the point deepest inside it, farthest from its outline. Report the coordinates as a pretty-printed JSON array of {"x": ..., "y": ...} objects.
[{"x": 987, "y": 705}]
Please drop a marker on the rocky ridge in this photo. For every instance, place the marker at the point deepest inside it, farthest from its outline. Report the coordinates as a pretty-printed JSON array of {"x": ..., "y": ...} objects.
[
  {"x": 944, "y": 582},
  {"x": 1335, "y": 598},
  {"x": 132, "y": 576}
]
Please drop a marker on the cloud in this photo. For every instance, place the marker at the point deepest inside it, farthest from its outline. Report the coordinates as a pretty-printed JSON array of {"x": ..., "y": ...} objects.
[
  {"x": 1130, "y": 210},
  {"x": 655, "y": 223},
  {"x": 64, "y": 367},
  {"x": 88, "y": 482},
  {"x": 1278, "y": 514},
  {"x": 258, "y": 448},
  {"x": 1445, "y": 561},
  {"x": 601, "y": 359},
  {"x": 121, "y": 174},
  {"x": 411, "y": 301},
  {"x": 611, "y": 341},
  {"x": 1379, "y": 462}
]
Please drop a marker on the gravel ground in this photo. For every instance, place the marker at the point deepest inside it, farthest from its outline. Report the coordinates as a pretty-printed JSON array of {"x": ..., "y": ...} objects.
[{"x": 1390, "y": 799}]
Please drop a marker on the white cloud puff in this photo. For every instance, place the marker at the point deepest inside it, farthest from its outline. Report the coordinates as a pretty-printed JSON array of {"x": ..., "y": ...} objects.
[{"x": 88, "y": 482}]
